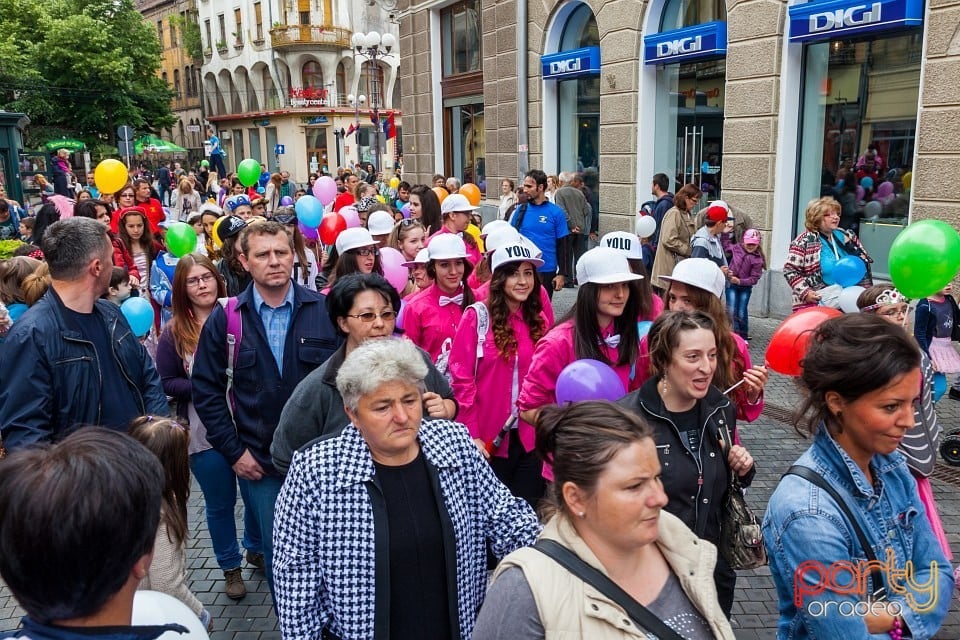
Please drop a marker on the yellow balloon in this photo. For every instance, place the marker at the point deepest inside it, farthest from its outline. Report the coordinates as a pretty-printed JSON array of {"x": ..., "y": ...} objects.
[
  {"x": 907, "y": 180},
  {"x": 215, "y": 232},
  {"x": 474, "y": 231},
  {"x": 381, "y": 200},
  {"x": 394, "y": 182},
  {"x": 110, "y": 176}
]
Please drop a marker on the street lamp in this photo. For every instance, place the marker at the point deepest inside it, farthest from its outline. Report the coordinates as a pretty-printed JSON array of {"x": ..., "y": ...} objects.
[
  {"x": 356, "y": 102},
  {"x": 374, "y": 47}
]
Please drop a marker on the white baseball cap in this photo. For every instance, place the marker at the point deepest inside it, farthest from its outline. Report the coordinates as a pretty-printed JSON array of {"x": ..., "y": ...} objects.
[
  {"x": 699, "y": 273},
  {"x": 493, "y": 225},
  {"x": 602, "y": 265},
  {"x": 456, "y": 202},
  {"x": 354, "y": 238},
  {"x": 447, "y": 246},
  {"x": 513, "y": 253},
  {"x": 422, "y": 257},
  {"x": 379, "y": 223},
  {"x": 626, "y": 243}
]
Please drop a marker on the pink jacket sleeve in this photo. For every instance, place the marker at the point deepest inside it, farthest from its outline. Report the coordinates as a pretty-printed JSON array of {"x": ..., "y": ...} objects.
[
  {"x": 745, "y": 410},
  {"x": 547, "y": 306},
  {"x": 412, "y": 328},
  {"x": 550, "y": 356},
  {"x": 463, "y": 366}
]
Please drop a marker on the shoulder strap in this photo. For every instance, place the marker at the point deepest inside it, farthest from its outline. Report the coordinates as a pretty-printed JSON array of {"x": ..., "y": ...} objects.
[
  {"x": 234, "y": 335},
  {"x": 518, "y": 219},
  {"x": 639, "y": 613},
  {"x": 813, "y": 477},
  {"x": 483, "y": 325}
]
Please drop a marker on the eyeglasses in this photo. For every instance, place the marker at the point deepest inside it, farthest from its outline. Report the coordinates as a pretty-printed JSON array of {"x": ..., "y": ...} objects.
[
  {"x": 365, "y": 251},
  {"x": 370, "y": 316},
  {"x": 206, "y": 278},
  {"x": 126, "y": 195}
]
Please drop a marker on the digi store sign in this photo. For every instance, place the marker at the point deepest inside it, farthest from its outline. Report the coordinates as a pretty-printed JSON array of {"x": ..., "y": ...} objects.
[
  {"x": 700, "y": 42},
  {"x": 834, "y": 19},
  {"x": 571, "y": 64}
]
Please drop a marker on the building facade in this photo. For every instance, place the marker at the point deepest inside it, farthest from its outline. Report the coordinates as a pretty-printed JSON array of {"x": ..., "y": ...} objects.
[
  {"x": 179, "y": 70},
  {"x": 282, "y": 83},
  {"x": 762, "y": 103}
]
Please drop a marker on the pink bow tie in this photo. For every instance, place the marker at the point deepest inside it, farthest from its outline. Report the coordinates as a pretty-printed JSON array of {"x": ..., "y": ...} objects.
[{"x": 457, "y": 299}]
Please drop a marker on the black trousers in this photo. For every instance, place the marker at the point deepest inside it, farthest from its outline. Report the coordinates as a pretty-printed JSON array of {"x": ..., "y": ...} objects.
[
  {"x": 546, "y": 279},
  {"x": 520, "y": 471},
  {"x": 725, "y": 579}
]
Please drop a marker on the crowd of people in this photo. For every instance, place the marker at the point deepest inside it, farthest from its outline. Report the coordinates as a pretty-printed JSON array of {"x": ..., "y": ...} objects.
[{"x": 392, "y": 441}]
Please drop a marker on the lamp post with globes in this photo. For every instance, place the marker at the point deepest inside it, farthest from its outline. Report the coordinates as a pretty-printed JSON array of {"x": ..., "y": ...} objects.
[
  {"x": 356, "y": 102},
  {"x": 374, "y": 47}
]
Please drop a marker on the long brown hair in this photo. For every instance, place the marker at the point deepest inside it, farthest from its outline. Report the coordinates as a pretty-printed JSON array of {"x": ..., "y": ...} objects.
[
  {"x": 503, "y": 334},
  {"x": 146, "y": 240},
  {"x": 168, "y": 440},
  {"x": 183, "y": 325}
]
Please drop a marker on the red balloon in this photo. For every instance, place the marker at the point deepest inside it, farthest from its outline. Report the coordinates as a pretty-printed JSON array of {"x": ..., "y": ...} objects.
[
  {"x": 330, "y": 227},
  {"x": 790, "y": 341}
]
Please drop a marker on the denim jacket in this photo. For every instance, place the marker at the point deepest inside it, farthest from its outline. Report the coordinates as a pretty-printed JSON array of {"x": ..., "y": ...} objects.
[{"x": 803, "y": 526}]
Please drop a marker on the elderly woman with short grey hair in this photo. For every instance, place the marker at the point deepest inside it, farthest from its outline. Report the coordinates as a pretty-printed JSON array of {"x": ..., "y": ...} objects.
[{"x": 382, "y": 531}]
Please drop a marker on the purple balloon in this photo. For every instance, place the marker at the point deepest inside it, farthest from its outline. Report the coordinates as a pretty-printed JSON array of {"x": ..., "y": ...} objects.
[
  {"x": 405, "y": 211},
  {"x": 398, "y": 323},
  {"x": 860, "y": 193},
  {"x": 310, "y": 233},
  {"x": 325, "y": 189},
  {"x": 286, "y": 201},
  {"x": 588, "y": 380},
  {"x": 885, "y": 190}
]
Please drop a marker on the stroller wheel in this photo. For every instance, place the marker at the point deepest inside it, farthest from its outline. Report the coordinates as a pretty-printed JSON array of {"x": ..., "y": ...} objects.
[{"x": 950, "y": 448}]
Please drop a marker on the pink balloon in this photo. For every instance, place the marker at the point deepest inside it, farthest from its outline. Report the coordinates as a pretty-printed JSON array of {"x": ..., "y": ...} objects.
[
  {"x": 351, "y": 215},
  {"x": 885, "y": 190},
  {"x": 325, "y": 189},
  {"x": 860, "y": 193},
  {"x": 393, "y": 269},
  {"x": 310, "y": 233},
  {"x": 398, "y": 323}
]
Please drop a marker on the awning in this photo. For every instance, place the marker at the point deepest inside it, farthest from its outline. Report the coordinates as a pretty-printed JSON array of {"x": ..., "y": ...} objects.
[
  {"x": 65, "y": 143},
  {"x": 153, "y": 144}
]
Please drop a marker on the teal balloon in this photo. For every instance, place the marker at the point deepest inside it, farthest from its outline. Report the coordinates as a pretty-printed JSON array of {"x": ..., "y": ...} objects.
[
  {"x": 924, "y": 258},
  {"x": 139, "y": 313},
  {"x": 309, "y": 211},
  {"x": 16, "y": 310},
  {"x": 643, "y": 327},
  {"x": 181, "y": 239},
  {"x": 848, "y": 271},
  {"x": 248, "y": 172}
]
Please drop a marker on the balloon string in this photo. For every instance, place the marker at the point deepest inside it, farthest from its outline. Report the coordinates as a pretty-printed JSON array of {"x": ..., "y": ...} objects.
[{"x": 734, "y": 386}]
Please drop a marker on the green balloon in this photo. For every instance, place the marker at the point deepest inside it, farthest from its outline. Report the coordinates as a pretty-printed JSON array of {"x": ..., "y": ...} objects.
[
  {"x": 924, "y": 258},
  {"x": 181, "y": 239},
  {"x": 248, "y": 172}
]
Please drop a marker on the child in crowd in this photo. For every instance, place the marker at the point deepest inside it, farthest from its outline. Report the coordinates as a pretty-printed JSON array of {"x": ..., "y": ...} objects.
[
  {"x": 120, "y": 288},
  {"x": 746, "y": 267},
  {"x": 26, "y": 229},
  {"x": 936, "y": 325},
  {"x": 168, "y": 439}
]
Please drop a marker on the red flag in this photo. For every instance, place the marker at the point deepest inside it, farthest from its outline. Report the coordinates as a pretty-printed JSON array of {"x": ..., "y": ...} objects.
[
  {"x": 391, "y": 127},
  {"x": 351, "y": 129}
]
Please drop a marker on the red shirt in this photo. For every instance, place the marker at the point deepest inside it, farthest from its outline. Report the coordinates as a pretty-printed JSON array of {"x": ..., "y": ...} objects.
[{"x": 345, "y": 199}]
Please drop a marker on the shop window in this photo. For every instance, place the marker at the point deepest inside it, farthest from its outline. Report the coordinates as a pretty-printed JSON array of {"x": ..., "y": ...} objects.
[
  {"x": 460, "y": 35},
  {"x": 579, "y": 99},
  {"x": 858, "y": 132},
  {"x": 465, "y": 140},
  {"x": 687, "y": 13}
]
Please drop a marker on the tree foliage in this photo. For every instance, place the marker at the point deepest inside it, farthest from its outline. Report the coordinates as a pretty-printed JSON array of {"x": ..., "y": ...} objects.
[{"x": 86, "y": 66}]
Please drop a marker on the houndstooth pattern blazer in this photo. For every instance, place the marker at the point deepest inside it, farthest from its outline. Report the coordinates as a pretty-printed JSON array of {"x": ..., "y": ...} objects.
[{"x": 329, "y": 562}]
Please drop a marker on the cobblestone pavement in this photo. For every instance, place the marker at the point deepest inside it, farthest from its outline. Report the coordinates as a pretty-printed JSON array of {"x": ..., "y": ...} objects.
[{"x": 772, "y": 441}]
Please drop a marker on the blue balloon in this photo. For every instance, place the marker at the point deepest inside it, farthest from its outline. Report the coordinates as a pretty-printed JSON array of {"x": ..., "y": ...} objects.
[
  {"x": 848, "y": 271},
  {"x": 139, "y": 313},
  {"x": 643, "y": 327},
  {"x": 16, "y": 310},
  {"x": 939, "y": 385},
  {"x": 261, "y": 190},
  {"x": 866, "y": 182},
  {"x": 309, "y": 211}
]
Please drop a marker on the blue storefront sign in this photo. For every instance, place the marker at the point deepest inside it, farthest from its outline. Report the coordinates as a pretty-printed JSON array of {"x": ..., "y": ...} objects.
[
  {"x": 571, "y": 64},
  {"x": 699, "y": 42},
  {"x": 830, "y": 19}
]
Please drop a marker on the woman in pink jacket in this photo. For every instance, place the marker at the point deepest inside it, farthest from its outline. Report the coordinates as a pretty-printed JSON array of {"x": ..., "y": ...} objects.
[
  {"x": 602, "y": 325},
  {"x": 486, "y": 372},
  {"x": 431, "y": 317},
  {"x": 697, "y": 284}
]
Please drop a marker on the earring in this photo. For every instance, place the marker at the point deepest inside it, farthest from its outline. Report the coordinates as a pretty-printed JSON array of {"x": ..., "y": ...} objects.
[
  {"x": 663, "y": 380},
  {"x": 582, "y": 514}
]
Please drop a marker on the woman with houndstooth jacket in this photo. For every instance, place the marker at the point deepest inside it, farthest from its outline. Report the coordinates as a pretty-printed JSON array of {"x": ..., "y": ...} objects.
[{"x": 382, "y": 531}]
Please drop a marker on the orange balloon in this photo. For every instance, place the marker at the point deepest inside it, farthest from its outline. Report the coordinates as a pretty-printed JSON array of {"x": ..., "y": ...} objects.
[
  {"x": 441, "y": 193},
  {"x": 472, "y": 192}
]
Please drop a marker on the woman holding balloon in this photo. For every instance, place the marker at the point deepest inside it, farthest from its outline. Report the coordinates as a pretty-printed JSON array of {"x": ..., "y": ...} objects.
[
  {"x": 600, "y": 327},
  {"x": 825, "y": 256},
  {"x": 486, "y": 370},
  {"x": 693, "y": 422}
]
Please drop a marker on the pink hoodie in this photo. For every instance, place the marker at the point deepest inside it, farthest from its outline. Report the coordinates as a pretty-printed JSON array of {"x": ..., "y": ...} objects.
[
  {"x": 427, "y": 323},
  {"x": 484, "y": 386}
]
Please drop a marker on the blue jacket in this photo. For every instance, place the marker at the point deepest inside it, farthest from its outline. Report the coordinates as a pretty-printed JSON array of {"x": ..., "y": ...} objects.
[
  {"x": 259, "y": 389},
  {"x": 38, "y": 631},
  {"x": 804, "y": 525},
  {"x": 50, "y": 375}
]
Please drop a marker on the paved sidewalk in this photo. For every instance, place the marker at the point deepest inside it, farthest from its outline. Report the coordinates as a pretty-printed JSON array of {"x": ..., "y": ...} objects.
[{"x": 774, "y": 444}]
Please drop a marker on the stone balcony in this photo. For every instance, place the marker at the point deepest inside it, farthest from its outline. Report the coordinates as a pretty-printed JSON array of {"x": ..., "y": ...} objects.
[{"x": 310, "y": 36}]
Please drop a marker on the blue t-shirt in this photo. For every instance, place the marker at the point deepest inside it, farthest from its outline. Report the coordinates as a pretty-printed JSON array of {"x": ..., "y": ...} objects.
[
  {"x": 215, "y": 146},
  {"x": 543, "y": 224}
]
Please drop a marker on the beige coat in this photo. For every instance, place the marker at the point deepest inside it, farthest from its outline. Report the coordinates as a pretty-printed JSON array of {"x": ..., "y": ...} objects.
[
  {"x": 569, "y": 608},
  {"x": 675, "y": 232}
]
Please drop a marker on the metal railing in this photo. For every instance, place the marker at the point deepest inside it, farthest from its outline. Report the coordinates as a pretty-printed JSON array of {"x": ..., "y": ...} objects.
[{"x": 293, "y": 35}]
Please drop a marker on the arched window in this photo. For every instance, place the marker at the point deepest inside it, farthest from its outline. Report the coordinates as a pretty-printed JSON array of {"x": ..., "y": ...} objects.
[
  {"x": 371, "y": 82},
  {"x": 341, "y": 84},
  {"x": 311, "y": 76},
  {"x": 686, "y": 13},
  {"x": 580, "y": 30},
  {"x": 176, "y": 83}
]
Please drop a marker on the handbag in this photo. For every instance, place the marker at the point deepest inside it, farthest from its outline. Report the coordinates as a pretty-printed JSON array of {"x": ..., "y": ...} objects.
[
  {"x": 640, "y": 615},
  {"x": 876, "y": 575},
  {"x": 741, "y": 538}
]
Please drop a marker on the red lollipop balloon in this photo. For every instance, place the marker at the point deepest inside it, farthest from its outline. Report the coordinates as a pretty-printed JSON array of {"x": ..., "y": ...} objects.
[
  {"x": 790, "y": 341},
  {"x": 330, "y": 227}
]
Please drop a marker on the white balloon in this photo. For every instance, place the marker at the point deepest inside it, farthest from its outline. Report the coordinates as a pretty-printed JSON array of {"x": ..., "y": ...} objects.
[
  {"x": 848, "y": 299},
  {"x": 155, "y": 608},
  {"x": 646, "y": 226},
  {"x": 873, "y": 209}
]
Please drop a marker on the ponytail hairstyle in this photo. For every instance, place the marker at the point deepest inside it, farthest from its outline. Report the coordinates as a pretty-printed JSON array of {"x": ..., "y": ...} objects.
[{"x": 168, "y": 440}]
